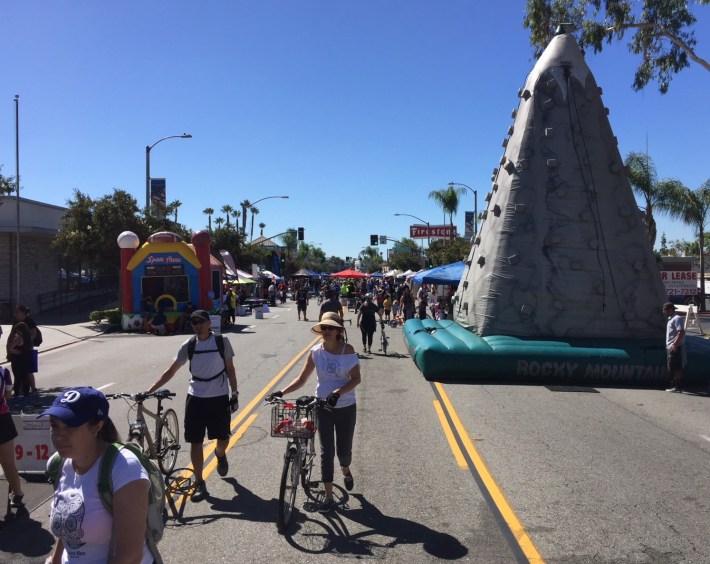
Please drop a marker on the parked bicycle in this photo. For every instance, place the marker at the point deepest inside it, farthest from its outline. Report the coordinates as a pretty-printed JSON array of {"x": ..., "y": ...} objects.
[
  {"x": 165, "y": 446},
  {"x": 383, "y": 338},
  {"x": 297, "y": 421}
]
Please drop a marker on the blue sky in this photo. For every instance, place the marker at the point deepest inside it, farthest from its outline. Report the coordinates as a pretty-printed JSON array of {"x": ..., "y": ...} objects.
[{"x": 356, "y": 110}]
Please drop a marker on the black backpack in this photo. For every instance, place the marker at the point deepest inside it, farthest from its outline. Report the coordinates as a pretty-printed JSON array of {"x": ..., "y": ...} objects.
[
  {"x": 37, "y": 341},
  {"x": 219, "y": 339}
]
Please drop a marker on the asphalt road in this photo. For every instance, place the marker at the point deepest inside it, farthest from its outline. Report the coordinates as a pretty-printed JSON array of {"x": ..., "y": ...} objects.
[{"x": 463, "y": 472}]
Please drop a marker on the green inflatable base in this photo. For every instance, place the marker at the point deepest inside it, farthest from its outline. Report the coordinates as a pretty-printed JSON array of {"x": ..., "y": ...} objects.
[{"x": 444, "y": 350}]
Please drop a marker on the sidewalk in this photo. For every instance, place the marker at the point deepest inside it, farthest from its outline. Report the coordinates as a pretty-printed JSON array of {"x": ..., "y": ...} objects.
[{"x": 58, "y": 330}]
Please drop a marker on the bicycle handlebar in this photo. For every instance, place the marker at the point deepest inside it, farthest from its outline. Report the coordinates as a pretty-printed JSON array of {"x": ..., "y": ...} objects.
[
  {"x": 303, "y": 401},
  {"x": 142, "y": 396}
]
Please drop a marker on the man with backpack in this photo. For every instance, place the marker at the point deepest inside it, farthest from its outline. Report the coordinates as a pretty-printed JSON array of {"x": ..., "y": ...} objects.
[{"x": 208, "y": 406}]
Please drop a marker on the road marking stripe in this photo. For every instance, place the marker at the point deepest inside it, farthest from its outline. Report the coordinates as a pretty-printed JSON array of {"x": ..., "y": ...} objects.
[
  {"x": 506, "y": 511},
  {"x": 458, "y": 455},
  {"x": 105, "y": 386},
  {"x": 705, "y": 437}
]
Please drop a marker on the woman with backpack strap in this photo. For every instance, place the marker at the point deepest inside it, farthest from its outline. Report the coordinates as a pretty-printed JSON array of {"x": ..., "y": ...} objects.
[
  {"x": 22, "y": 315},
  {"x": 86, "y": 532}
]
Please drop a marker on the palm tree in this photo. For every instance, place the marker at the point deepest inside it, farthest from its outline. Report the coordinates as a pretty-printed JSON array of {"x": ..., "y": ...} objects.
[
  {"x": 174, "y": 205},
  {"x": 694, "y": 209},
  {"x": 227, "y": 209},
  {"x": 246, "y": 204},
  {"x": 208, "y": 212},
  {"x": 219, "y": 221},
  {"x": 261, "y": 227},
  {"x": 448, "y": 200},
  {"x": 254, "y": 211},
  {"x": 658, "y": 194}
]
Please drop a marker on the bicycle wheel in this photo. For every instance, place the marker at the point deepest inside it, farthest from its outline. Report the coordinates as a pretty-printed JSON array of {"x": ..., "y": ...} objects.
[
  {"x": 289, "y": 483},
  {"x": 167, "y": 441},
  {"x": 307, "y": 464}
]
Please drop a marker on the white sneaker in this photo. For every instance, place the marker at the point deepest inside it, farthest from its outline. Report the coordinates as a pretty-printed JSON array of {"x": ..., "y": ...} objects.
[{"x": 674, "y": 390}]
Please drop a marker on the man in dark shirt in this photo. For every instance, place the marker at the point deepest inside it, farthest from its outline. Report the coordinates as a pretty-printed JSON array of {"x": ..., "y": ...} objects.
[
  {"x": 331, "y": 304},
  {"x": 302, "y": 301}
]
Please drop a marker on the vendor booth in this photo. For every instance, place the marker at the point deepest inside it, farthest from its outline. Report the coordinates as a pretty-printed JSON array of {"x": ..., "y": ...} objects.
[{"x": 166, "y": 273}]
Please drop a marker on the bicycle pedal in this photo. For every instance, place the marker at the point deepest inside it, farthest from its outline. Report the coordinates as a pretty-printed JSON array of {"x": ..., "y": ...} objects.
[{"x": 174, "y": 447}]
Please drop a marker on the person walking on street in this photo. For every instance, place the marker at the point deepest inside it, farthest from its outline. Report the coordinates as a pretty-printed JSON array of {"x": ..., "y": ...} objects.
[
  {"x": 19, "y": 353},
  {"x": 337, "y": 368},
  {"x": 208, "y": 406},
  {"x": 302, "y": 301},
  {"x": 86, "y": 531},
  {"x": 22, "y": 315},
  {"x": 406, "y": 304},
  {"x": 331, "y": 304},
  {"x": 367, "y": 323},
  {"x": 675, "y": 341},
  {"x": 8, "y": 432}
]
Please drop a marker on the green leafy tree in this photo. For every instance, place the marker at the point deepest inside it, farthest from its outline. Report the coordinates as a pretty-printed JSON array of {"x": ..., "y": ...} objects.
[
  {"x": 694, "y": 209},
  {"x": 249, "y": 254},
  {"x": 371, "y": 259},
  {"x": 446, "y": 251},
  {"x": 219, "y": 221},
  {"x": 661, "y": 31},
  {"x": 448, "y": 200},
  {"x": 406, "y": 255},
  {"x": 246, "y": 204},
  {"x": 226, "y": 210},
  {"x": 261, "y": 229},
  {"x": 173, "y": 207},
  {"x": 7, "y": 185},
  {"x": 659, "y": 194},
  {"x": 254, "y": 211},
  {"x": 289, "y": 240},
  {"x": 226, "y": 238},
  {"x": 89, "y": 228},
  {"x": 209, "y": 212}
]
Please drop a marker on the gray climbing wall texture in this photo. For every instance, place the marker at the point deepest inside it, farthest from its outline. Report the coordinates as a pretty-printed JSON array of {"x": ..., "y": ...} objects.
[{"x": 561, "y": 251}]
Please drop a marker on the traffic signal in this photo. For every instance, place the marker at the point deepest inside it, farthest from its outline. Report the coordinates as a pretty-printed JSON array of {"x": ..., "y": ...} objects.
[
  {"x": 283, "y": 259},
  {"x": 300, "y": 233},
  {"x": 347, "y": 259},
  {"x": 430, "y": 263},
  {"x": 374, "y": 240}
]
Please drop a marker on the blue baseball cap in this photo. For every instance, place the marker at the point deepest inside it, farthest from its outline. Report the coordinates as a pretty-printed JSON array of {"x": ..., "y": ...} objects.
[{"x": 76, "y": 406}]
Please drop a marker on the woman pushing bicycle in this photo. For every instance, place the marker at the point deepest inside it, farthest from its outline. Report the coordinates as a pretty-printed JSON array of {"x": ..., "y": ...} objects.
[{"x": 337, "y": 368}]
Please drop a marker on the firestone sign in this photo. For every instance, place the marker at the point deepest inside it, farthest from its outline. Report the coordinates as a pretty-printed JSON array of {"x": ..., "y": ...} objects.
[{"x": 424, "y": 232}]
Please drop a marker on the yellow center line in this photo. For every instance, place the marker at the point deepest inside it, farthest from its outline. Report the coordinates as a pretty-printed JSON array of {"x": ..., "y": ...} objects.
[{"x": 506, "y": 511}]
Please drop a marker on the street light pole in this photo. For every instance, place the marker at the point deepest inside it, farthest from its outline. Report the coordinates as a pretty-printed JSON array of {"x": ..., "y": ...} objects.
[
  {"x": 147, "y": 163},
  {"x": 428, "y": 234},
  {"x": 17, "y": 190},
  {"x": 475, "y": 204},
  {"x": 251, "y": 205}
]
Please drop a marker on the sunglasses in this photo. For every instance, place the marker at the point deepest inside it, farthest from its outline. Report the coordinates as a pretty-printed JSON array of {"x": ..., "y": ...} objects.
[
  {"x": 329, "y": 328},
  {"x": 198, "y": 321}
]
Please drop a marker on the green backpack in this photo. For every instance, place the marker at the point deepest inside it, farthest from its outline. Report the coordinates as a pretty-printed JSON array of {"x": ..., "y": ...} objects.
[{"x": 155, "y": 524}]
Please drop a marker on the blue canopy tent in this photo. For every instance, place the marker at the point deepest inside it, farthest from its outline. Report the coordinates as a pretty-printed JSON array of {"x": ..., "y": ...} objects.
[
  {"x": 449, "y": 274},
  {"x": 377, "y": 275}
]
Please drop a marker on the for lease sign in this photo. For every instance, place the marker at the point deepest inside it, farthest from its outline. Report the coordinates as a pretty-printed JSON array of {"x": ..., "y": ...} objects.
[{"x": 680, "y": 282}]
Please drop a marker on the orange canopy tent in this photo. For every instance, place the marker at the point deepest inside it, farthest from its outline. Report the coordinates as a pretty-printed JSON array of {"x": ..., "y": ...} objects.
[{"x": 349, "y": 273}]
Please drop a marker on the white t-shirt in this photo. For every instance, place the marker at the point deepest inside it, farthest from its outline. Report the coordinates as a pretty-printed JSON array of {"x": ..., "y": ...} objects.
[
  {"x": 78, "y": 516},
  {"x": 206, "y": 363},
  {"x": 333, "y": 372}
]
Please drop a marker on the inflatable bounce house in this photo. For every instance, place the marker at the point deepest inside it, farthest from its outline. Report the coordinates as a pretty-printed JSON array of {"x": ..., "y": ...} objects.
[
  {"x": 167, "y": 273},
  {"x": 561, "y": 283}
]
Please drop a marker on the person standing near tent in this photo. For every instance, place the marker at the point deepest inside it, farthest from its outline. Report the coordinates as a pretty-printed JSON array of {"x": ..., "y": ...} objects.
[
  {"x": 675, "y": 347},
  {"x": 406, "y": 304},
  {"x": 302, "y": 301}
]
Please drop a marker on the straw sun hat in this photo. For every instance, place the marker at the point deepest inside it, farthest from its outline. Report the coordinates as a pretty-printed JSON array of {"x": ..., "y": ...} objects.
[{"x": 329, "y": 318}]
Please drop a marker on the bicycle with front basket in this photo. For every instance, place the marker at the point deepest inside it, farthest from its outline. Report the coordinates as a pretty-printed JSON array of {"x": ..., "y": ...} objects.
[
  {"x": 297, "y": 421},
  {"x": 164, "y": 447}
]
